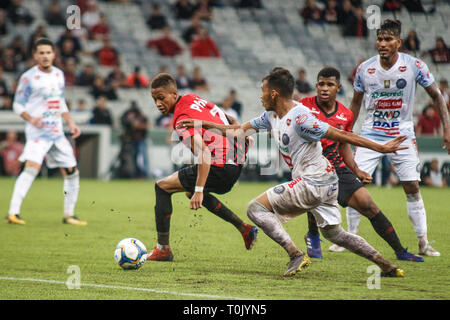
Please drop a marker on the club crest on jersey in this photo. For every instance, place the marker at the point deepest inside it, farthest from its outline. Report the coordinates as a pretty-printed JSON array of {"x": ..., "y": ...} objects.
[
  {"x": 402, "y": 68},
  {"x": 285, "y": 139},
  {"x": 288, "y": 122},
  {"x": 301, "y": 119},
  {"x": 387, "y": 84},
  {"x": 279, "y": 189},
  {"x": 315, "y": 125},
  {"x": 371, "y": 70},
  {"x": 401, "y": 83},
  {"x": 418, "y": 64}
]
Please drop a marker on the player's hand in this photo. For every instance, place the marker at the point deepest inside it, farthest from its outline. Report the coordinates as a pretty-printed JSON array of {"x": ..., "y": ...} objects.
[
  {"x": 191, "y": 123},
  {"x": 37, "y": 122},
  {"x": 196, "y": 201},
  {"x": 75, "y": 130},
  {"x": 446, "y": 139},
  {"x": 364, "y": 177},
  {"x": 394, "y": 145}
]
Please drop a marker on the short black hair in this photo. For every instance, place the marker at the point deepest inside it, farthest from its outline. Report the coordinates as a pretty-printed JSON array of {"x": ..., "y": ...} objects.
[
  {"x": 163, "y": 80},
  {"x": 329, "y": 72},
  {"x": 281, "y": 80},
  {"x": 43, "y": 41},
  {"x": 391, "y": 26}
]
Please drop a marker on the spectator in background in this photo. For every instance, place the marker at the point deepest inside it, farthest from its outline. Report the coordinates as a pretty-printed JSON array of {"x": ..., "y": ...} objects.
[
  {"x": 429, "y": 122},
  {"x": 7, "y": 103},
  {"x": 157, "y": 20},
  {"x": 3, "y": 84},
  {"x": 311, "y": 12},
  {"x": 330, "y": 13},
  {"x": 165, "y": 45},
  {"x": 107, "y": 55},
  {"x": 18, "y": 46},
  {"x": 356, "y": 24},
  {"x": 226, "y": 106},
  {"x": 199, "y": 83},
  {"x": 68, "y": 52},
  {"x": 3, "y": 25},
  {"x": 70, "y": 68},
  {"x": 184, "y": 9},
  {"x": 344, "y": 12},
  {"x": 301, "y": 84},
  {"x": 440, "y": 54},
  {"x": 412, "y": 42},
  {"x": 117, "y": 78},
  {"x": 137, "y": 79},
  {"x": 99, "y": 88},
  {"x": 182, "y": 79},
  {"x": 136, "y": 126},
  {"x": 192, "y": 31},
  {"x": 100, "y": 30},
  {"x": 203, "y": 10},
  {"x": 53, "y": 14},
  {"x": 392, "y": 5},
  {"x": 203, "y": 45},
  {"x": 235, "y": 104},
  {"x": 86, "y": 77},
  {"x": 352, "y": 75},
  {"x": 68, "y": 35},
  {"x": 91, "y": 16},
  {"x": 101, "y": 113},
  {"x": 8, "y": 60},
  {"x": 10, "y": 151},
  {"x": 18, "y": 14},
  {"x": 256, "y": 4},
  {"x": 81, "y": 106},
  {"x": 433, "y": 176}
]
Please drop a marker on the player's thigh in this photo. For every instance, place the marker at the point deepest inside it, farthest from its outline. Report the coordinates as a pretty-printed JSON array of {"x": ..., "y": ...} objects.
[
  {"x": 61, "y": 155},
  {"x": 171, "y": 184},
  {"x": 34, "y": 152},
  {"x": 406, "y": 162},
  {"x": 348, "y": 185},
  {"x": 367, "y": 159}
]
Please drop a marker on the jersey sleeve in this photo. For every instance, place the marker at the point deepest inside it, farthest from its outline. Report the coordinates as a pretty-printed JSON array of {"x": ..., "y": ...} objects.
[
  {"x": 262, "y": 122},
  {"x": 358, "y": 83},
  {"x": 308, "y": 127},
  {"x": 22, "y": 96},
  {"x": 422, "y": 74}
]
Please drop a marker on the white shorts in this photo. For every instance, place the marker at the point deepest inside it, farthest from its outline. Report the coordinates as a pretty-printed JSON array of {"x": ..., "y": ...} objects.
[
  {"x": 406, "y": 162},
  {"x": 293, "y": 198},
  {"x": 58, "y": 153}
]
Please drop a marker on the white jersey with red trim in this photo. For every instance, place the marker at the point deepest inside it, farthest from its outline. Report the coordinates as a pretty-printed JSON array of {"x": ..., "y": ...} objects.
[
  {"x": 298, "y": 136},
  {"x": 389, "y": 95},
  {"x": 41, "y": 94}
]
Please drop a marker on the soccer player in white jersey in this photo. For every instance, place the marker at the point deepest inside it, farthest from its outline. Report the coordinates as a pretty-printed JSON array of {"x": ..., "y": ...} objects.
[
  {"x": 314, "y": 186},
  {"x": 39, "y": 100},
  {"x": 387, "y": 84}
]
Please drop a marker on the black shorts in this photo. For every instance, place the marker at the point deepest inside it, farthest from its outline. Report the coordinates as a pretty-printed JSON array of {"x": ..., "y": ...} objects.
[
  {"x": 220, "y": 179},
  {"x": 348, "y": 184}
]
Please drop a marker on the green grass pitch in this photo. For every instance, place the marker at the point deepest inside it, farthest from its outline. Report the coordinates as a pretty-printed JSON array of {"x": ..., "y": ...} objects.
[{"x": 210, "y": 261}]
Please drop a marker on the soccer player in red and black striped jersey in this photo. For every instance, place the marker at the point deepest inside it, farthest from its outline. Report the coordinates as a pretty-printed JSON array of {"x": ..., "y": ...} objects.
[
  {"x": 220, "y": 162},
  {"x": 351, "y": 179}
]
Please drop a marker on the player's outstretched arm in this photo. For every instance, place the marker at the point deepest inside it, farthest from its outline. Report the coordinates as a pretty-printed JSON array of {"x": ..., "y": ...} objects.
[
  {"x": 225, "y": 130},
  {"x": 348, "y": 137},
  {"x": 439, "y": 102}
]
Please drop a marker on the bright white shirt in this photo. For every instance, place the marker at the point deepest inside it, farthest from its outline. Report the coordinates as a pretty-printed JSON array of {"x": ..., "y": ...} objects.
[
  {"x": 298, "y": 136},
  {"x": 389, "y": 95},
  {"x": 41, "y": 94}
]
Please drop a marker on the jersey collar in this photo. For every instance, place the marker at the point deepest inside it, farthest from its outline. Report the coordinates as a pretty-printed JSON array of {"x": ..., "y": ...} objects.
[{"x": 328, "y": 115}]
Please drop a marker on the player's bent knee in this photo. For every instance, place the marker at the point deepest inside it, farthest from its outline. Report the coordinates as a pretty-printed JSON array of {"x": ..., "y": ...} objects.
[
  {"x": 31, "y": 171},
  {"x": 253, "y": 208},
  {"x": 331, "y": 233},
  {"x": 70, "y": 172}
]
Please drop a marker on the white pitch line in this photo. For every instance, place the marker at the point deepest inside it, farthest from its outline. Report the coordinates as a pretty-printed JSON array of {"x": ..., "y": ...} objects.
[{"x": 176, "y": 293}]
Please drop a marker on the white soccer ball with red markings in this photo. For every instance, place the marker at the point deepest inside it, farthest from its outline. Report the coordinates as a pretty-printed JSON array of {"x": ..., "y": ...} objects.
[{"x": 130, "y": 253}]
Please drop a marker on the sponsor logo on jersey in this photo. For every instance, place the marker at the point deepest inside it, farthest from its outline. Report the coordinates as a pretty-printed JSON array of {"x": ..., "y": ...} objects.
[
  {"x": 315, "y": 125},
  {"x": 288, "y": 122},
  {"x": 390, "y": 128},
  {"x": 294, "y": 182},
  {"x": 418, "y": 64},
  {"x": 401, "y": 83},
  {"x": 386, "y": 114},
  {"x": 371, "y": 70},
  {"x": 383, "y": 94},
  {"x": 402, "y": 68},
  {"x": 389, "y": 104},
  {"x": 301, "y": 119},
  {"x": 53, "y": 104},
  {"x": 387, "y": 84},
  {"x": 341, "y": 117},
  {"x": 314, "y": 110}
]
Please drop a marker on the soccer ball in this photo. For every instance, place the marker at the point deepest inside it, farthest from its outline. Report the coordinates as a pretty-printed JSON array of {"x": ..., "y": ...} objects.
[{"x": 130, "y": 253}]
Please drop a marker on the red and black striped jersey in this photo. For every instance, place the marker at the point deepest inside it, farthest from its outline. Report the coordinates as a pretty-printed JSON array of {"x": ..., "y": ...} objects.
[{"x": 341, "y": 118}]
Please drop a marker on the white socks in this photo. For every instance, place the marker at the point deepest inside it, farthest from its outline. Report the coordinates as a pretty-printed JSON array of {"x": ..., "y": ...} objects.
[
  {"x": 23, "y": 184},
  {"x": 353, "y": 220},
  {"x": 71, "y": 188},
  {"x": 417, "y": 214}
]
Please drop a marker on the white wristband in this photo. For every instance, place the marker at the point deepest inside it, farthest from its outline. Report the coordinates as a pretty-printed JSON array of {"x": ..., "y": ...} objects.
[{"x": 198, "y": 189}]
